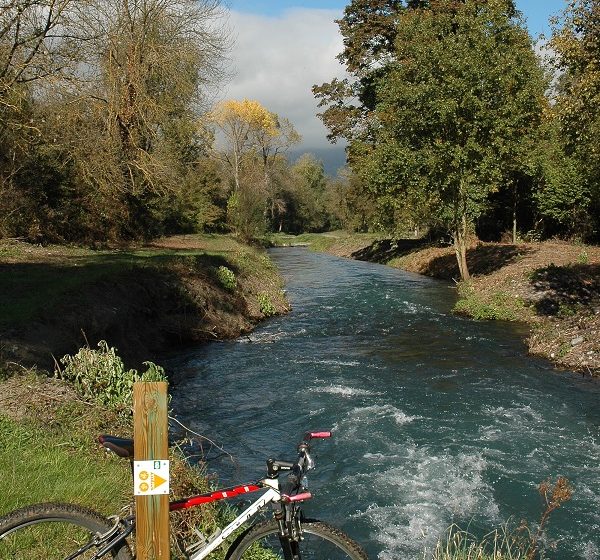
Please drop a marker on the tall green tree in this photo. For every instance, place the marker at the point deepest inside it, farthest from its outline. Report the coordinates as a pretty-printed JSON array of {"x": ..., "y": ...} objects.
[
  {"x": 462, "y": 91},
  {"x": 572, "y": 190}
]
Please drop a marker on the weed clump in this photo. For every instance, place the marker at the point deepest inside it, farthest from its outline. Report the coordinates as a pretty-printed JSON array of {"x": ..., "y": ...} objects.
[
  {"x": 506, "y": 543},
  {"x": 266, "y": 305},
  {"x": 501, "y": 544},
  {"x": 499, "y": 307},
  {"x": 100, "y": 376},
  {"x": 227, "y": 278}
]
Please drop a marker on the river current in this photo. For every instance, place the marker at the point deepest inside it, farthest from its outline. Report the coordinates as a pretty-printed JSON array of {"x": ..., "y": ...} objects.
[{"x": 437, "y": 419}]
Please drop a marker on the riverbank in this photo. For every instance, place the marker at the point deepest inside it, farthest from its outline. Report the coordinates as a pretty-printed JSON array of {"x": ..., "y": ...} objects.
[
  {"x": 142, "y": 300},
  {"x": 552, "y": 286}
]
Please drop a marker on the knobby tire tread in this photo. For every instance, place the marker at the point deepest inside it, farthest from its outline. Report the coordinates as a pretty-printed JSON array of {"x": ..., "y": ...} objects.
[
  {"x": 78, "y": 515},
  {"x": 311, "y": 526}
]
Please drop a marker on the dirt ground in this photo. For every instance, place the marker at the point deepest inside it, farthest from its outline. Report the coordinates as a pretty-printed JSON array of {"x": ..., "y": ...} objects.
[{"x": 557, "y": 283}]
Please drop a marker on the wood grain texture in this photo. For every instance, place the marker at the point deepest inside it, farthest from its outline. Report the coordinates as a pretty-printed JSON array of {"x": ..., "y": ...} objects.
[{"x": 150, "y": 434}]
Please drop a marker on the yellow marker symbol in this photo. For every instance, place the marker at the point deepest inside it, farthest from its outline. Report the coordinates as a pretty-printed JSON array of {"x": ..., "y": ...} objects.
[
  {"x": 157, "y": 481},
  {"x": 144, "y": 475},
  {"x": 144, "y": 487}
]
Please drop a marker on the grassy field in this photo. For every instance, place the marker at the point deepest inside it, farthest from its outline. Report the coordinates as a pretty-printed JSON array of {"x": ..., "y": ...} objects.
[
  {"x": 336, "y": 242},
  {"x": 48, "y": 450}
]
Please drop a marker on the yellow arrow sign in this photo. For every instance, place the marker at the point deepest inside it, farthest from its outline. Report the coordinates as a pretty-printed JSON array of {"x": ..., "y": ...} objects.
[
  {"x": 151, "y": 477},
  {"x": 157, "y": 481}
]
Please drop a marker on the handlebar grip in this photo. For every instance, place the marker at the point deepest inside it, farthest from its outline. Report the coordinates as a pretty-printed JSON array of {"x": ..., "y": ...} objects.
[
  {"x": 316, "y": 435},
  {"x": 297, "y": 497}
]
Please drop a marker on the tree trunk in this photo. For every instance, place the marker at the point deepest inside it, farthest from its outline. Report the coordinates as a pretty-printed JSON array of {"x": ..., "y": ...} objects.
[
  {"x": 515, "y": 202},
  {"x": 460, "y": 248}
]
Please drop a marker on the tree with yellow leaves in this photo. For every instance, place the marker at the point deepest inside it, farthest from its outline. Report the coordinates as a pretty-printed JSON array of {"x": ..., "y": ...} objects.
[
  {"x": 253, "y": 136},
  {"x": 240, "y": 122}
]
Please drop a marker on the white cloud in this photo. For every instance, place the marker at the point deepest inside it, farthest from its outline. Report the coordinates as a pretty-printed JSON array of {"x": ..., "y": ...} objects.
[{"x": 277, "y": 60}]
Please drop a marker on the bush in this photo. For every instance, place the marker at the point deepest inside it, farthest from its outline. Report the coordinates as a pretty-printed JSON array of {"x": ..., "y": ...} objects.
[
  {"x": 227, "y": 278},
  {"x": 100, "y": 375},
  {"x": 266, "y": 305}
]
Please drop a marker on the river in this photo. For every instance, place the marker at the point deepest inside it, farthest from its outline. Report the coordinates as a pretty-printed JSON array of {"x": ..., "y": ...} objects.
[{"x": 437, "y": 419}]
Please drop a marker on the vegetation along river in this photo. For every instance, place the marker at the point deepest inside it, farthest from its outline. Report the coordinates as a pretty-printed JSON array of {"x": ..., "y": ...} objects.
[{"x": 437, "y": 419}]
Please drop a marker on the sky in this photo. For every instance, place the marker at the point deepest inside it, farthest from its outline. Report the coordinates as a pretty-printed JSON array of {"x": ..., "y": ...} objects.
[{"x": 283, "y": 47}]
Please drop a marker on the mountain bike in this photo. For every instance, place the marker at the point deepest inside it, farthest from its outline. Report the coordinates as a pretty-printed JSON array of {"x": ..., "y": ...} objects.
[{"x": 55, "y": 531}]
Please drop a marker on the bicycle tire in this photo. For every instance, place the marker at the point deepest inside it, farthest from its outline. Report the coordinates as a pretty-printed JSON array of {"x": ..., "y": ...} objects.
[
  {"x": 54, "y": 532},
  {"x": 320, "y": 541}
]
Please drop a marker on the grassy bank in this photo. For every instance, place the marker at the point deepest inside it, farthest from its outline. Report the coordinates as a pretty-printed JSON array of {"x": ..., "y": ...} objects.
[
  {"x": 339, "y": 243},
  {"x": 49, "y": 452},
  {"x": 143, "y": 300},
  {"x": 553, "y": 287}
]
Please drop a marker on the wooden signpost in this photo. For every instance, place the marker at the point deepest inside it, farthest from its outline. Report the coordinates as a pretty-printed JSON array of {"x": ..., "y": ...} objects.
[{"x": 151, "y": 470}]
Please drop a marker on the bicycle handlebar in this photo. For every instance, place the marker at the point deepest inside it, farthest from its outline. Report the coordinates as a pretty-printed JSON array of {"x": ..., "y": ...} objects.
[{"x": 301, "y": 466}]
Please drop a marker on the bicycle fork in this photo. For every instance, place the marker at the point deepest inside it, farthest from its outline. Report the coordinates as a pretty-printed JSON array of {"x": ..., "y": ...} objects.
[{"x": 290, "y": 531}]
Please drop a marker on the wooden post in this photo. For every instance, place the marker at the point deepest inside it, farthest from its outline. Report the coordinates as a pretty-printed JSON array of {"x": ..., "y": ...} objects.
[{"x": 150, "y": 436}]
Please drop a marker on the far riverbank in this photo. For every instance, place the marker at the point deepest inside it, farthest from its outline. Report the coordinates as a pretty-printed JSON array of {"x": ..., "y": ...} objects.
[{"x": 142, "y": 300}]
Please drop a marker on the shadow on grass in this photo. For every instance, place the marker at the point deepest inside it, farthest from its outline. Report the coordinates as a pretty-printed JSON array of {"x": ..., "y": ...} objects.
[
  {"x": 140, "y": 305},
  {"x": 481, "y": 260},
  {"x": 384, "y": 250},
  {"x": 31, "y": 290},
  {"x": 564, "y": 289}
]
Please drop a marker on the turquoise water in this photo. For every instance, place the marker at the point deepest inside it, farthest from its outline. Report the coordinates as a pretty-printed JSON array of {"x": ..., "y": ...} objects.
[{"x": 437, "y": 419}]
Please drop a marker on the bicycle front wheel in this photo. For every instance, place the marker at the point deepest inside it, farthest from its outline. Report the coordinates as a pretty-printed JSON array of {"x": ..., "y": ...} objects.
[
  {"x": 320, "y": 541},
  {"x": 55, "y": 532}
]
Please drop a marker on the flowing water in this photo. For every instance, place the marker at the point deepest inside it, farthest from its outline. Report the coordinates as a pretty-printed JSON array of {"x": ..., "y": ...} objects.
[{"x": 437, "y": 419}]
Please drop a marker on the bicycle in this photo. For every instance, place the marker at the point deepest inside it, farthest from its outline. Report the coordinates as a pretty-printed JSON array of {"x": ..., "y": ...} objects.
[{"x": 67, "y": 531}]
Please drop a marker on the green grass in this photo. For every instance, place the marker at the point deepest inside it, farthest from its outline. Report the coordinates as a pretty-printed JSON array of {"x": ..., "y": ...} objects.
[
  {"x": 38, "y": 466},
  {"x": 500, "y": 306},
  {"x": 323, "y": 241},
  {"x": 35, "y": 279}
]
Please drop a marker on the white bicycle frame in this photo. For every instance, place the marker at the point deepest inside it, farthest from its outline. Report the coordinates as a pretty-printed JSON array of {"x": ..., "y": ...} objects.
[{"x": 271, "y": 495}]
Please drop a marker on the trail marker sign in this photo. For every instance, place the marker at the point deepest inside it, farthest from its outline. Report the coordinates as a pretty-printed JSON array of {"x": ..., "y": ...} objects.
[{"x": 150, "y": 478}]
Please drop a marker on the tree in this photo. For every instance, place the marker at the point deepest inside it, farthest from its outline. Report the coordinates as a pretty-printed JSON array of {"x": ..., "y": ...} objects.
[
  {"x": 256, "y": 141},
  {"x": 37, "y": 43},
  {"x": 462, "y": 90},
  {"x": 272, "y": 146},
  {"x": 113, "y": 143},
  {"x": 576, "y": 40},
  {"x": 307, "y": 193},
  {"x": 369, "y": 30},
  {"x": 241, "y": 123}
]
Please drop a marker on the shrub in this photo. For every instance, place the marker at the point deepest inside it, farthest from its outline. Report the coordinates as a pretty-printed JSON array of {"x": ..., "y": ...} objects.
[
  {"x": 227, "y": 278},
  {"x": 100, "y": 375},
  {"x": 500, "y": 306},
  {"x": 266, "y": 305}
]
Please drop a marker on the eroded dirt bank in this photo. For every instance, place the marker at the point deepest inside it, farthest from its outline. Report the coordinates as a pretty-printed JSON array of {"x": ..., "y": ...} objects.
[{"x": 143, "y": 302}]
